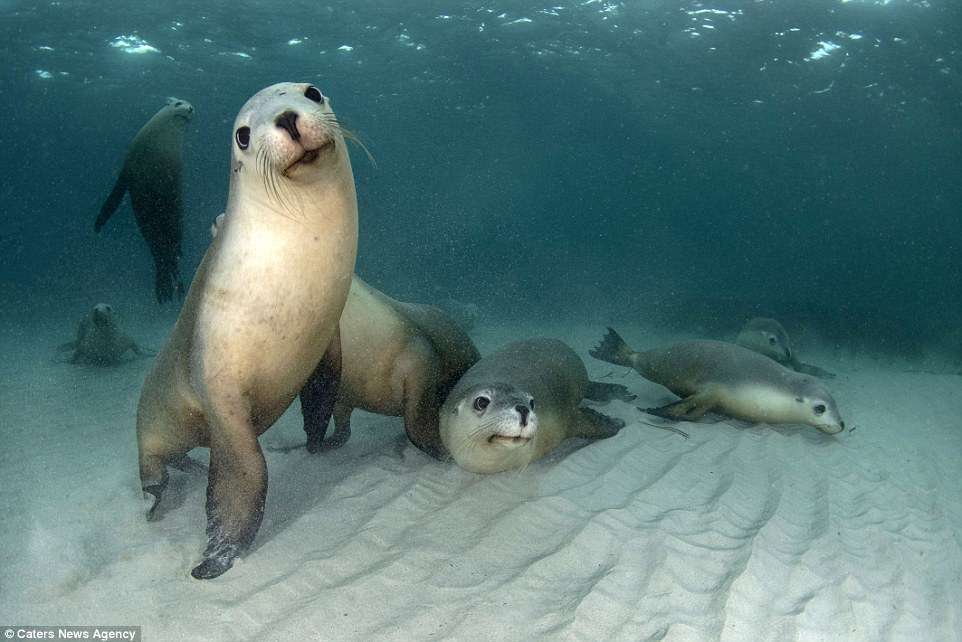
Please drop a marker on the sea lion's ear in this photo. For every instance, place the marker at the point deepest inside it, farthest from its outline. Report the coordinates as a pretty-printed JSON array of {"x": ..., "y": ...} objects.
[{"x": 799, "y": 400}]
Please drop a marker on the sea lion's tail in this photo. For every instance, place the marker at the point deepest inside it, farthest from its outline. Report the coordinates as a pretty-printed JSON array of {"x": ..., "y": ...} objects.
[{"x": 613, "y": 349}]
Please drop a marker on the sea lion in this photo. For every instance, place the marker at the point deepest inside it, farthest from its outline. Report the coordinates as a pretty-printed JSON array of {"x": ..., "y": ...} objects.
[
  {"x": 100, "y": 341},
  {"x": 397, "y": 359},
  {"x": 151, "y": 173},
  {"x": 262, "y": 310},
  {"x": 517, "y": 404},
  {"x": 728, "y": 379},
  {"x": 768, "y": 337}
]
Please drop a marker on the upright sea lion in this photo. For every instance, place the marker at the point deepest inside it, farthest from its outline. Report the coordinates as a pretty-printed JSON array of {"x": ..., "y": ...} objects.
[
  {"x": 768, "y": 337},
  {"x": 397, "y": 359},
  {"x": 517, "y": 404},
  {"x": 728, "y": 379},
  {"x": 151, "y": 173},
  {"x": 261, "y": 312},
  {"x": 100, "y": 341}
]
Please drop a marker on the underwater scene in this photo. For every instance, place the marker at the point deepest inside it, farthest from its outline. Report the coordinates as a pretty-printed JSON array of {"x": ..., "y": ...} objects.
[{"x": 384, "y": 320}]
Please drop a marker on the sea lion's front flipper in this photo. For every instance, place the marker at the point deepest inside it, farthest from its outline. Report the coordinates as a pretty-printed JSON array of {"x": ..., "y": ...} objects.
[
  {"x": 595, "y": 425},
  {"x": 236, "y": 490},
  {"x": 815, "y": 371},
  {"x": 690, "y": 408},
  {"x": 112, "y": 203},
  {"x": 319, "y": 394},
  {"x": 598, "y": 391}
]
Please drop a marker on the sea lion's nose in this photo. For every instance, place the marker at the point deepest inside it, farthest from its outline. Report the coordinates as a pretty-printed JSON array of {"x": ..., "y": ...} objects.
[
  {"x": 523, "y": 411},
  {"x": 288, "y": 122}
]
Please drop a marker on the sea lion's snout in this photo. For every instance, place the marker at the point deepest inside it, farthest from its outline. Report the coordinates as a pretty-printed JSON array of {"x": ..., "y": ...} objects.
[{"x": 288, "y": 122}]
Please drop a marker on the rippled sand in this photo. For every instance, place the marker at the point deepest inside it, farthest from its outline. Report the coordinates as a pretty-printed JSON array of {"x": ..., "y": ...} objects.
[{"x": 738, "y": 533}]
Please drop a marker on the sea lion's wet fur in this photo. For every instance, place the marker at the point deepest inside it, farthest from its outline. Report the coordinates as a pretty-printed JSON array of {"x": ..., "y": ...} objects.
[
  {"x": 260, "y": 314},
  {"x": 398, "y": 359}
]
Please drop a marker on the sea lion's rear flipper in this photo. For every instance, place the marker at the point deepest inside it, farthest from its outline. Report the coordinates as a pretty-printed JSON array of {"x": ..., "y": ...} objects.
[
  {"x": 342, "y": 428},
  {"x": 613, "y": 349},
  {"x": 598, "y": 391},
  {"x": 167, "y": 281},
  {"x": 690, "y": 408},
  {"x": 595, "y": 425},
  {"x": 112, "y": 203},
  {"x": 236, "y": 490},
  {"x": 319, "y": 394},
  {"x": 815, "y": 371}
]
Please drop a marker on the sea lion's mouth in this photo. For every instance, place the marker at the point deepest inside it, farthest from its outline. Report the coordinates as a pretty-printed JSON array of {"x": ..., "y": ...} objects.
[
  {"x": 506, "y": 440},
  {"x": 310, "y": 155}
]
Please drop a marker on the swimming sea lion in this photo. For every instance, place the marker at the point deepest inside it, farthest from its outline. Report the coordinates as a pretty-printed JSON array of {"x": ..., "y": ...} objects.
[
  {"x": 728, "y": 379},
  {"x": 100, "y": 341},
  {"x": 261, "y": 312},
  {"x": 768, "y": 337},
  {"x": 397, "y": 359},
  {"x": 517, "y": 404},
  {"x": 151, "y": 173}
]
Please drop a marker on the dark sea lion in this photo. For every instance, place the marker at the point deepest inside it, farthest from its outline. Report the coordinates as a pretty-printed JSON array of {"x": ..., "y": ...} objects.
[
  {"x": 152, "y": 174},
  {"x": 714, "y": 376},
  {"x": 100, "y": 341},
  {"x": 261, "y": 312},
  {"x": 517, "y": 404},
  {"x": 768, "y": 337}
]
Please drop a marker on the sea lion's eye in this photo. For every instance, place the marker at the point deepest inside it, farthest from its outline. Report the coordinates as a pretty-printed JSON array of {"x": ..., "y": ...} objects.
[
  {"x": 480, "y": 403},
  {"x": 243, "y": 137},
  {"x": 819, "y": 409},
  {"x": 313, "y": 93},
  {"x": 771, "y": 340}
]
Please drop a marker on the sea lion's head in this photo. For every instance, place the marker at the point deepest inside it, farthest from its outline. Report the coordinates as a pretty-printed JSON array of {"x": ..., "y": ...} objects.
[
  {"x": 179, "y": 109},
  {"x": 767, "y": 337},
  {"x": 489, "y": 428},
  {"x": 286, "y": 132},
  {"x": 816, "y": 406},
  {"x": 102, "y": 316}
]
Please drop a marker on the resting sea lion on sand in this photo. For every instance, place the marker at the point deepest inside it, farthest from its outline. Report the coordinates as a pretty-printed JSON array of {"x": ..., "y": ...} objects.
[
  {"x": 517, "y": 404},
  {"x": 152, "y": 174},
  {"x": 727, "y": 379},
  {"x": 261, "y": 312},
  {"x": 768, "y": 337},
  {"x": 100, "y": 341}
]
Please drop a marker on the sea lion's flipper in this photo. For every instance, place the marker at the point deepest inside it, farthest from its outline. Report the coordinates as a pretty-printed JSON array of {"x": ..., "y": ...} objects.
[
  {"x": 236, "y": 490},
  {"x": 422, "y": 421},
  {"x": 342, "y": 428},
  {"x": 167, "y": 281},
  {"x": 613, "y": 349},
  {"x": 690, "y": 408},
  {"x": 595, "y": 425},
  {"x": 815, "y": 371},
  {"x": 112, "y": 203},
  {"x": 319, "y": 394},
  {"x": 598, "y": 391}
]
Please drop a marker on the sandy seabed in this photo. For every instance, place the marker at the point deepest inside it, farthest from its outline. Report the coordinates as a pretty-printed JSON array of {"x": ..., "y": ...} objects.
[{"x": 738, "y": 533}]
